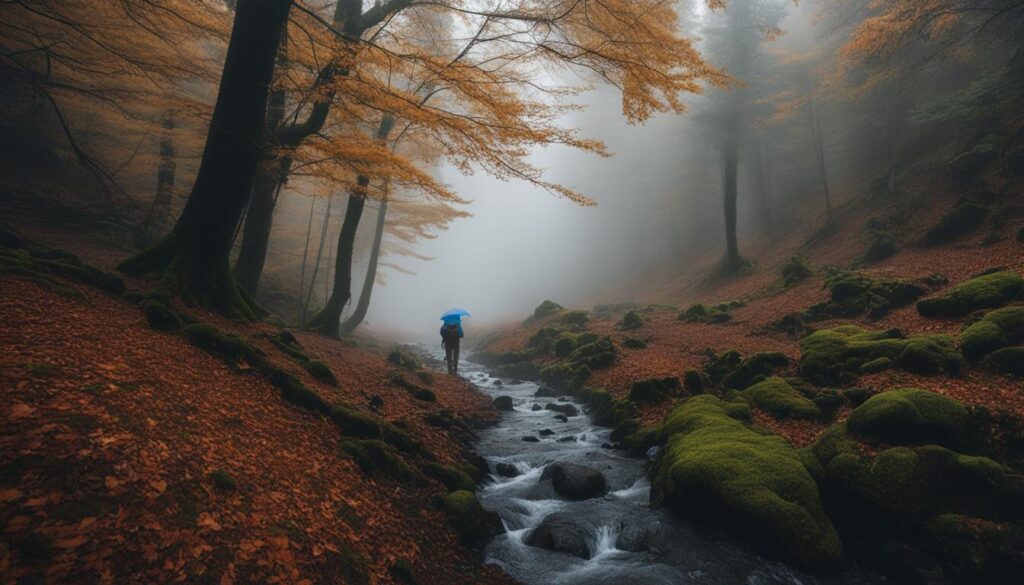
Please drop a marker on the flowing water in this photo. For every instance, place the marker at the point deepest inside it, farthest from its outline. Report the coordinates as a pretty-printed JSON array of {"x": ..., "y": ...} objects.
[{"x": 671, "y": 550}]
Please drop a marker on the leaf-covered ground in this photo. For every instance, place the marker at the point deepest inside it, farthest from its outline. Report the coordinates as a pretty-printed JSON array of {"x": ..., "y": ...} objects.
[{"x": 116, "y": 442}]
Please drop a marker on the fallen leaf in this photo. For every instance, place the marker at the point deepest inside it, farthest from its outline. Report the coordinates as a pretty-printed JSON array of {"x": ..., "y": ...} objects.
[{"x": 21, "y": 410}]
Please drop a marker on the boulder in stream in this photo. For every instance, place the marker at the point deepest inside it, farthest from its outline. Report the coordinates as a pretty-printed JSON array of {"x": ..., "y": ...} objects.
[
  {"x": 575, "y": 482},
  {"x": 545, "y": 392},
  {"x": 506, "y": 470},
  {"x": 566, "y": 409},
  {"x": 503, "y": 403},
  {"x": 531, "y": 439},
  {"x": 562, "y": 533},
  {"x": 536, "y": 407}
]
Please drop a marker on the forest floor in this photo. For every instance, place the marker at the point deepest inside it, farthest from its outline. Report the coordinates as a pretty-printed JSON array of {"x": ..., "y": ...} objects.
[
  {"x": 674, "y": 346},
  {"x": 129, "y": 455}
]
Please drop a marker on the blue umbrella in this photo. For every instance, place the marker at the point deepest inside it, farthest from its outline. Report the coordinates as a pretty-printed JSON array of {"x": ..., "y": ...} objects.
[{"x": 454, "y": 315}]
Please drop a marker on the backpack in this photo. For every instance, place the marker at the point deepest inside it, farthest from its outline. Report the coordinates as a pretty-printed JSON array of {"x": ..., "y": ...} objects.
[{"x": 450, "y": 332}]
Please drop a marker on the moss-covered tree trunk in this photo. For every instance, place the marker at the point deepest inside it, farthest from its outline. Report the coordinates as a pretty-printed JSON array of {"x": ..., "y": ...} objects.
[
  {"x": 192, "y": 260},
  {"x": 258, "y": 222},
  {"x": 363, "y": 306},
  {"x": 328, "y": 320}
]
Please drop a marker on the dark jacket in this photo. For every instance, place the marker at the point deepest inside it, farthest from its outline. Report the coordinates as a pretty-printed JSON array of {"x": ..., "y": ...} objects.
[{"x": 452, "y": 341}]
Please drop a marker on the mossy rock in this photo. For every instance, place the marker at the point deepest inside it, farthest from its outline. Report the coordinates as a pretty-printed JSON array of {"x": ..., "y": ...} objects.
[
  {"x": 403, "y": 359},
  {"x": 779, "y": 399},
  {"x": 634, "y": 343},
  {"x": 959, "y": 221},
  {"x": 565, "y": 344},
  {"x": 294, "y": 391},
  {"x": 693, "y": 382},
  {"x": 576, "y": 318},
  {"x": 796, "y": 270},
  {"x": 232, "y": 349},
  {"x": 715, "y": 469},
  {"x": 452, "y": 479},
  {"x": 223, "y": 481},
  {"x": 833, "y": 356},
  {"x": 984, "y": 292},
  {"x": 653, "y": 390},
  {"x": 631, "y": 320},
  {"x": 546, "y": 309},
  {"x": 906, "y": 486},
  {"x": 564, "y": 376},
  {"x": 876, "y": 365},
  {"x": 355, "y": 424},
  {"x": 543, "y": 334},
  {"x": 974, "y": 547},
  {"x": 1009, "y": 360},
  {"x": 474, "y": 525},
  {"x": 321, "y": 371},
  {"x": 754, "y": 369},
  {"x": 855, "y": 293},
  {"x": 587, "y": 337},
  {"x": 882, "y": 247},
  {"x": 159, "y": 317},
  {"x": 595, "y": 355},
  {"x": 604, "y": 409},
  {"x": 908, "y": 416},
  {"x": 996, "y": 330},
  {"x": 375, "y": 457}
]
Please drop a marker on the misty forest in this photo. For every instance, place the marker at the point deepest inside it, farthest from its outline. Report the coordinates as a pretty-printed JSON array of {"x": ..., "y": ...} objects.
[{"x": 443, "y": 292}]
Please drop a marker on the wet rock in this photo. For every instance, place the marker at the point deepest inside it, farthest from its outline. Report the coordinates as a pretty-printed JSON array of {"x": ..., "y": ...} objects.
[
  {"x": 566, "y": 409},
  {"x": 515, "y": 382},
  {"x": 537, "y": 407},
  {"x": 561, "y": 532},
  {"x": 503, "y": 403},
  {"x": 545, "y": 392},
  {"x": 531, "y": 439},
  {"x": 546, "y": 433},
  {"x": 569, "y": 439},
  {"x": 632, "y": 539},
  {"x": 576, "y": 482},
  {"x": 506, "y": 470},
  {"x": 498, "y": 383},
  {"x": 561, "y": 417},
  {"x": 607, "y": 446}
]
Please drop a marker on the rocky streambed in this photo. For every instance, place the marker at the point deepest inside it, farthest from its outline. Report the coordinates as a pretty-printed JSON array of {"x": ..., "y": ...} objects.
[{"x": 576, "y": 511}]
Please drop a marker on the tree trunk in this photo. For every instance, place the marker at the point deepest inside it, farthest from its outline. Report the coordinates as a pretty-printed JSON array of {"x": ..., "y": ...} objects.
[
  {"x": 160, "y": 210},
  {"x": 328, "y": 320},
  {"x": 357, "y": 316},
  {"x": 193, "y": 260},
  {"x": 819, "y": 153},
  {"x": 319, "y": 256},
  {"x": 730, "y": 167}
]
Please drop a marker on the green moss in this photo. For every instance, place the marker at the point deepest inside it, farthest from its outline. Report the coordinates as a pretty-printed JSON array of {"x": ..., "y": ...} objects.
[
  {"x": 778, "y": 398},
  {"x": 403, "y": 359},
  {"x": 1009, "y": 360},
  {"x": 232, "y": 349},
  {"x": 37, "y": 370},
  {"x": 876, "y": 365},
  {"x": 716, "y": 469},
  {"x": 159, "y": 317},
  {"x": 596, "y": 355},
  {"x": 604, "y": 409},
  {"x": 287, "y": 344},
  {"x": 642, "y": 439},
  {"x": 754, "y": 369},
  {"x": 832, "y": 356},
  {"x": 984, "y": 292},
  {"x": 855, "y": 293},
  {"x": 796, "y": 270},
  {"x": 223, "y": 481},
  {"x": 961, "y": 220},
  {"x": 375, "y": 457},
  {"x": 294, "y": 391},
  {"x": 467, "y": 517},
  {"x": 546, "y": 309},
  {"x": 882, "y": 246},
  {"x": 355, "y": 424},
  {"x": 653, "y": 390},
  {"x": 587, "y": 338},
  {"x": 631, "y": 320},
  {"x": 538, "y": 338},
  {"x": 634, "y": 343},
  {"x": 576, "y": 318},
  {"x": 321, "y": 371},
  {"x": 996, "y": 330},
  {"x": 452, "y": 479},
  {"x": 565, "y": 344},
  {"x": 911, "y": 416},
  {"x": 693, "y": 382},
  {"x": 969, "y": 545}
]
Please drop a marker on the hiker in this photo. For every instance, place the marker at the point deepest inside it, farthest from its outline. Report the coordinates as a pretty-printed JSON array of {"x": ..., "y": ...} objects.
[{"x": 451, "y": 333}]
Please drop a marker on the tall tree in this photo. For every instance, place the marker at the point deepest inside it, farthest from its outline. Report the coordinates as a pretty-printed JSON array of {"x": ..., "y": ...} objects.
[
  {"x": 192, "y": 260},
  {"x": 363, "y": 304}
]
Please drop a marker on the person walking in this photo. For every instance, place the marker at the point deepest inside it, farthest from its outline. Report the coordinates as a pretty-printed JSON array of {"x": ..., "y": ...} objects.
[{"x": 451, "y": 336}]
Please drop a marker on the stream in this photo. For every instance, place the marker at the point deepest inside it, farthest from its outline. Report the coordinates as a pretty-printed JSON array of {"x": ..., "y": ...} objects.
[{"x": 666, "y": 550}]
